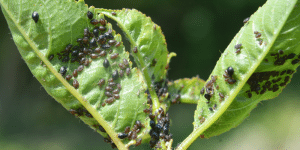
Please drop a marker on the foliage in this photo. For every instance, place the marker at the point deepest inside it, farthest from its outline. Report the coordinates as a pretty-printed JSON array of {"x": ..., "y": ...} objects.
[{"x": 264, "y": 55}]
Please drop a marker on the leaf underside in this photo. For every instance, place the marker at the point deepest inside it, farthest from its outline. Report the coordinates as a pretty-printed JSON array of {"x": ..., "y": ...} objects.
[
  {"x": 263, "y": 65},
  {"x": 55, "y": 30}
]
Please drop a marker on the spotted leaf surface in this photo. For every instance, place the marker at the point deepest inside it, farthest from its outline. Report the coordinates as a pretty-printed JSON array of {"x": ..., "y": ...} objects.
[
  {"x": 185, "y": 90},
  {"x": 89, "y": 75},
  {"x": 262, "y": 58}
]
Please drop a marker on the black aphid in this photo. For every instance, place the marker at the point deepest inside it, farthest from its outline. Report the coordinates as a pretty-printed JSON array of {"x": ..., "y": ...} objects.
[
  {"x": 106, "y": 63},
  {"x": 102, "y": 22},
  {"x": 102, "y": 53},
  {"x": 68, "y": 77},
  {"x": 128, "y": 71},
  {"x": 116, "y": 96},
  {"x": 121, "y": 65},
  {"x": 80, "y": 68},
  {"x": 127, "y": 129},
  {"x": 96, "y": 32},
  {"x": 112, "y": 42},
  {"x": 238, "y": 46},
  {"x": 90, "y": 15},
  {"x": 122, "y": 135},
  {"x": 280, "y": 51},
  {"x": 114, "y": 56},
  {"x": 108, "y": 35},
  {"x": 121, "y": 73},
  {"x": 102, "y": 28},
  {"x": 101, "y": 82},
  {"x": 295, "y": 61},
  {"x": 291, "y": 56},
  {"x": 35, "y": 16},
  {"x": 85, "y": 40},
  {"x": 125, "y": 62},
  {"x": 113, "y": 13},
  {"x": 75, "y": 84},
  {"x": 207, "y": 96},
  {"x": 115, "y": 75},
  {"x": 93, "y": 42},
  {"x": 135, "y": 50},
  {"x": 101, "y": 128},
  {"x": 246, "y": 20},
  {"x": 94, "y": 22},
  {"x": 105, "y": 46},
  {"x": 63, "y": 70},
  {"x": 231, "y": 81},
  {"x": 109, "y": 100},
  {"x": 118, "y": 44},
  {"x": 230, "y": 71},
  {"x": 75, "y": 73},
  {"x": 51, "y": 57},
  {"x": 86, "y": 32},
  {"x": 108, "y": 88},
  {"x": 116, "y": 91},
  {"x": 108, "y": 94}
]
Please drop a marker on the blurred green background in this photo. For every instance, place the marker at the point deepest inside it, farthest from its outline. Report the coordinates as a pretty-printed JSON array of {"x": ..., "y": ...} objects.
[{"x": 198, "y": 31}]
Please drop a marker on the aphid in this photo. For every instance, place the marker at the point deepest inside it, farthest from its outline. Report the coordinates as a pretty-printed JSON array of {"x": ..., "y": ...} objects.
[
  {"x": 103, "y": 53},
  {"x": 260, "y": 42},
  {"x": 116, "y": 96},
  {"x": 75, "y": 73},
  {"x": 135, "y": 50},
  {"x": 249, "y": 95},
  {"x": 238, "y": 46},
  {"x": 119, "y": 86},
  {"x": 230, "y": 71},
  {"x": 103, "y": 104},
  {"x": 101, "y": 82},
  {"x": 75, "y": 84},
  {"x": 127, "y": 129},
  {"x": 217, "y": 87},
  {"x": 88, "y": 115},
  {"x": 51, "y": 57},
  {"x": 106, "y": 63},
  {"x": 221, "y": 95},
  {"x": 295, "y": 61},
  {"x": 96, "y": 32},
  {"x": 105, "y": 46},
  {"x": 73, "y": 111},
  {"x": 238, "y": 51},
  {"x": 280, "y": 51},
  {"x": 109, "y": 100},
  {"x": 113, "y": 13},
  {"x": 125, "y": 62},
  {"x": 138, "y": 142},
  {"x": 68, "y": 77},
  {"x": 93, "y": 42},
  {"x": 118, "y": 44},
  {"x": 108, "y": 34},
  {"x": 255, "y": 32},
  {"x": 112, "y": 84},
  {"x": 246, "y": 20},
  {"x": 116, "y": 91},
  {"x": 94, "y": 56},
  {"x": 146, "y": 111},
  {"x": 90, "y": 15},
  {"x": 291, "y": 56},
  {"x": 101, "y": 128},
  {"x": 161, "y": 111},
  {"x": 86, "y": 32},
  {"x": 108, "y": 88},
  {"x": 207, "y": 96},
  {"x": 122, "y": 135},
  {"x": 108, "y": 94},
  {"x": 121, "y": 65},
  {"x": 80, "y": 68},
  {"x": 110, "y": 80},
  {"x": 128, "y": 71},
  {"x": 211, "y": 109},
  {"x": 102, "y": 28},
  {"x": 97, "y": 50},
  {"x": 114, "y": 56},
  {"x": 258, "y": 35},
  {"x": 231, "y": 81},
  {"x": 63, "y": 70},
  {"x": 80, "y": 55},
  {"x": 35, "y": 16},
  {"x": 85, "y": 40},
  {"x": 94, "y": 22},
  {"x": 202, "y": 91},
  {"x": 121, "y": 73},
  {"x": 115, "y": 75},
  {"x": 112, "y": 42},
  {"x": 102, "y": 22}
]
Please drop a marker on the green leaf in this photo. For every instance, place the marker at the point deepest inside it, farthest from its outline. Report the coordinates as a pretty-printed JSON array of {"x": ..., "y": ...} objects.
[
  {"x": 260, "y": 69},
  {"x": 188, "y": 89},
  {"x": 62, "y": 22}
]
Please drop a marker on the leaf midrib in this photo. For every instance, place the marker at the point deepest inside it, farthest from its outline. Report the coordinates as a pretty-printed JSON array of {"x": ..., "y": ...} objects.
[
  {"x": 74, "y": 92},
  {"x": 208, "y": 122}
]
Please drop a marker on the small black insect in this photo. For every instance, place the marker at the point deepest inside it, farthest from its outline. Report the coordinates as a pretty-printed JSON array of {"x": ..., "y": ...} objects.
[
  {"x": 94, "y": 22},
  {"x": 238, "y": 46},
  {"x": 102, "y": 22},
  {"x": 121, "y": 73},
  {"x": 138, "y": 142},
  {"x": 121, "y": 65},
  {"x": 128, "y": 71},
  {"x": 207, "y": 96},
  {"x": 96, "y": 32},
  {"x": 85, "y": 40},
  {"x": 80, "y": 68},
  {"x": 75, "y": 84},
  {"x": 230, "y": 71},
  {"x": 135, "y": 50},
  {"x": 231, "y": 81},
  {"x": 63, "y": 70},
  {"x": 112, "y": 84},
  {"x": 125, "y": 62},
  {"x": 280, "y": 51},
  {"x": 109, "y": 100},
  {"x": 35, "y": 16},
  {"x": 114, "y": 56},
  {"x": 86, "y": 32},
  {"x": 118, "y": 44},
  {"x": 108, "y": 94},
  {"x": 101, "y": 82},
  {"x": 75, "y": 73},
  {"x": 106, "y": 63},
  {"x": 258, "y": 35},
  {"x": 115, "y": 75},
  {"x": 51, "y": 57},
  {"x": 90, "y": 15},
  {"x": 291, "y": 56},
  {"x": 295, "y": 61},
  {"x": 122, "y": 135},
  {"x": 246, "y": 20},
  {"x": 93, "y": 42},
  {"x": 108, "y": 88},
  {"x": 116, "y": 96},
  {"x": 119, "y": 86},
  {"x": 102, "y": 28},
  {"x": 113, "y": 13},
  {"x": 68, "y": 77},
  {"x": 108, "y": 35},
  {"x": 112, "y": 42},
  {"x": 105, "y": 46}
]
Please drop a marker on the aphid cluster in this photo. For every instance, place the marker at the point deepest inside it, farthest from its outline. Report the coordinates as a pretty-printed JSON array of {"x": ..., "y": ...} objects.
[
  {"x": 94, "y": 44},
  {"x": 80, "y": 112},
  {"x": 161, "y": 129},
  {"x": 132, "y": 134},
  {"x": 228, "y": 75},
  {"x": 280, "y": 60},
  {"x": 261, "y": 82}
]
